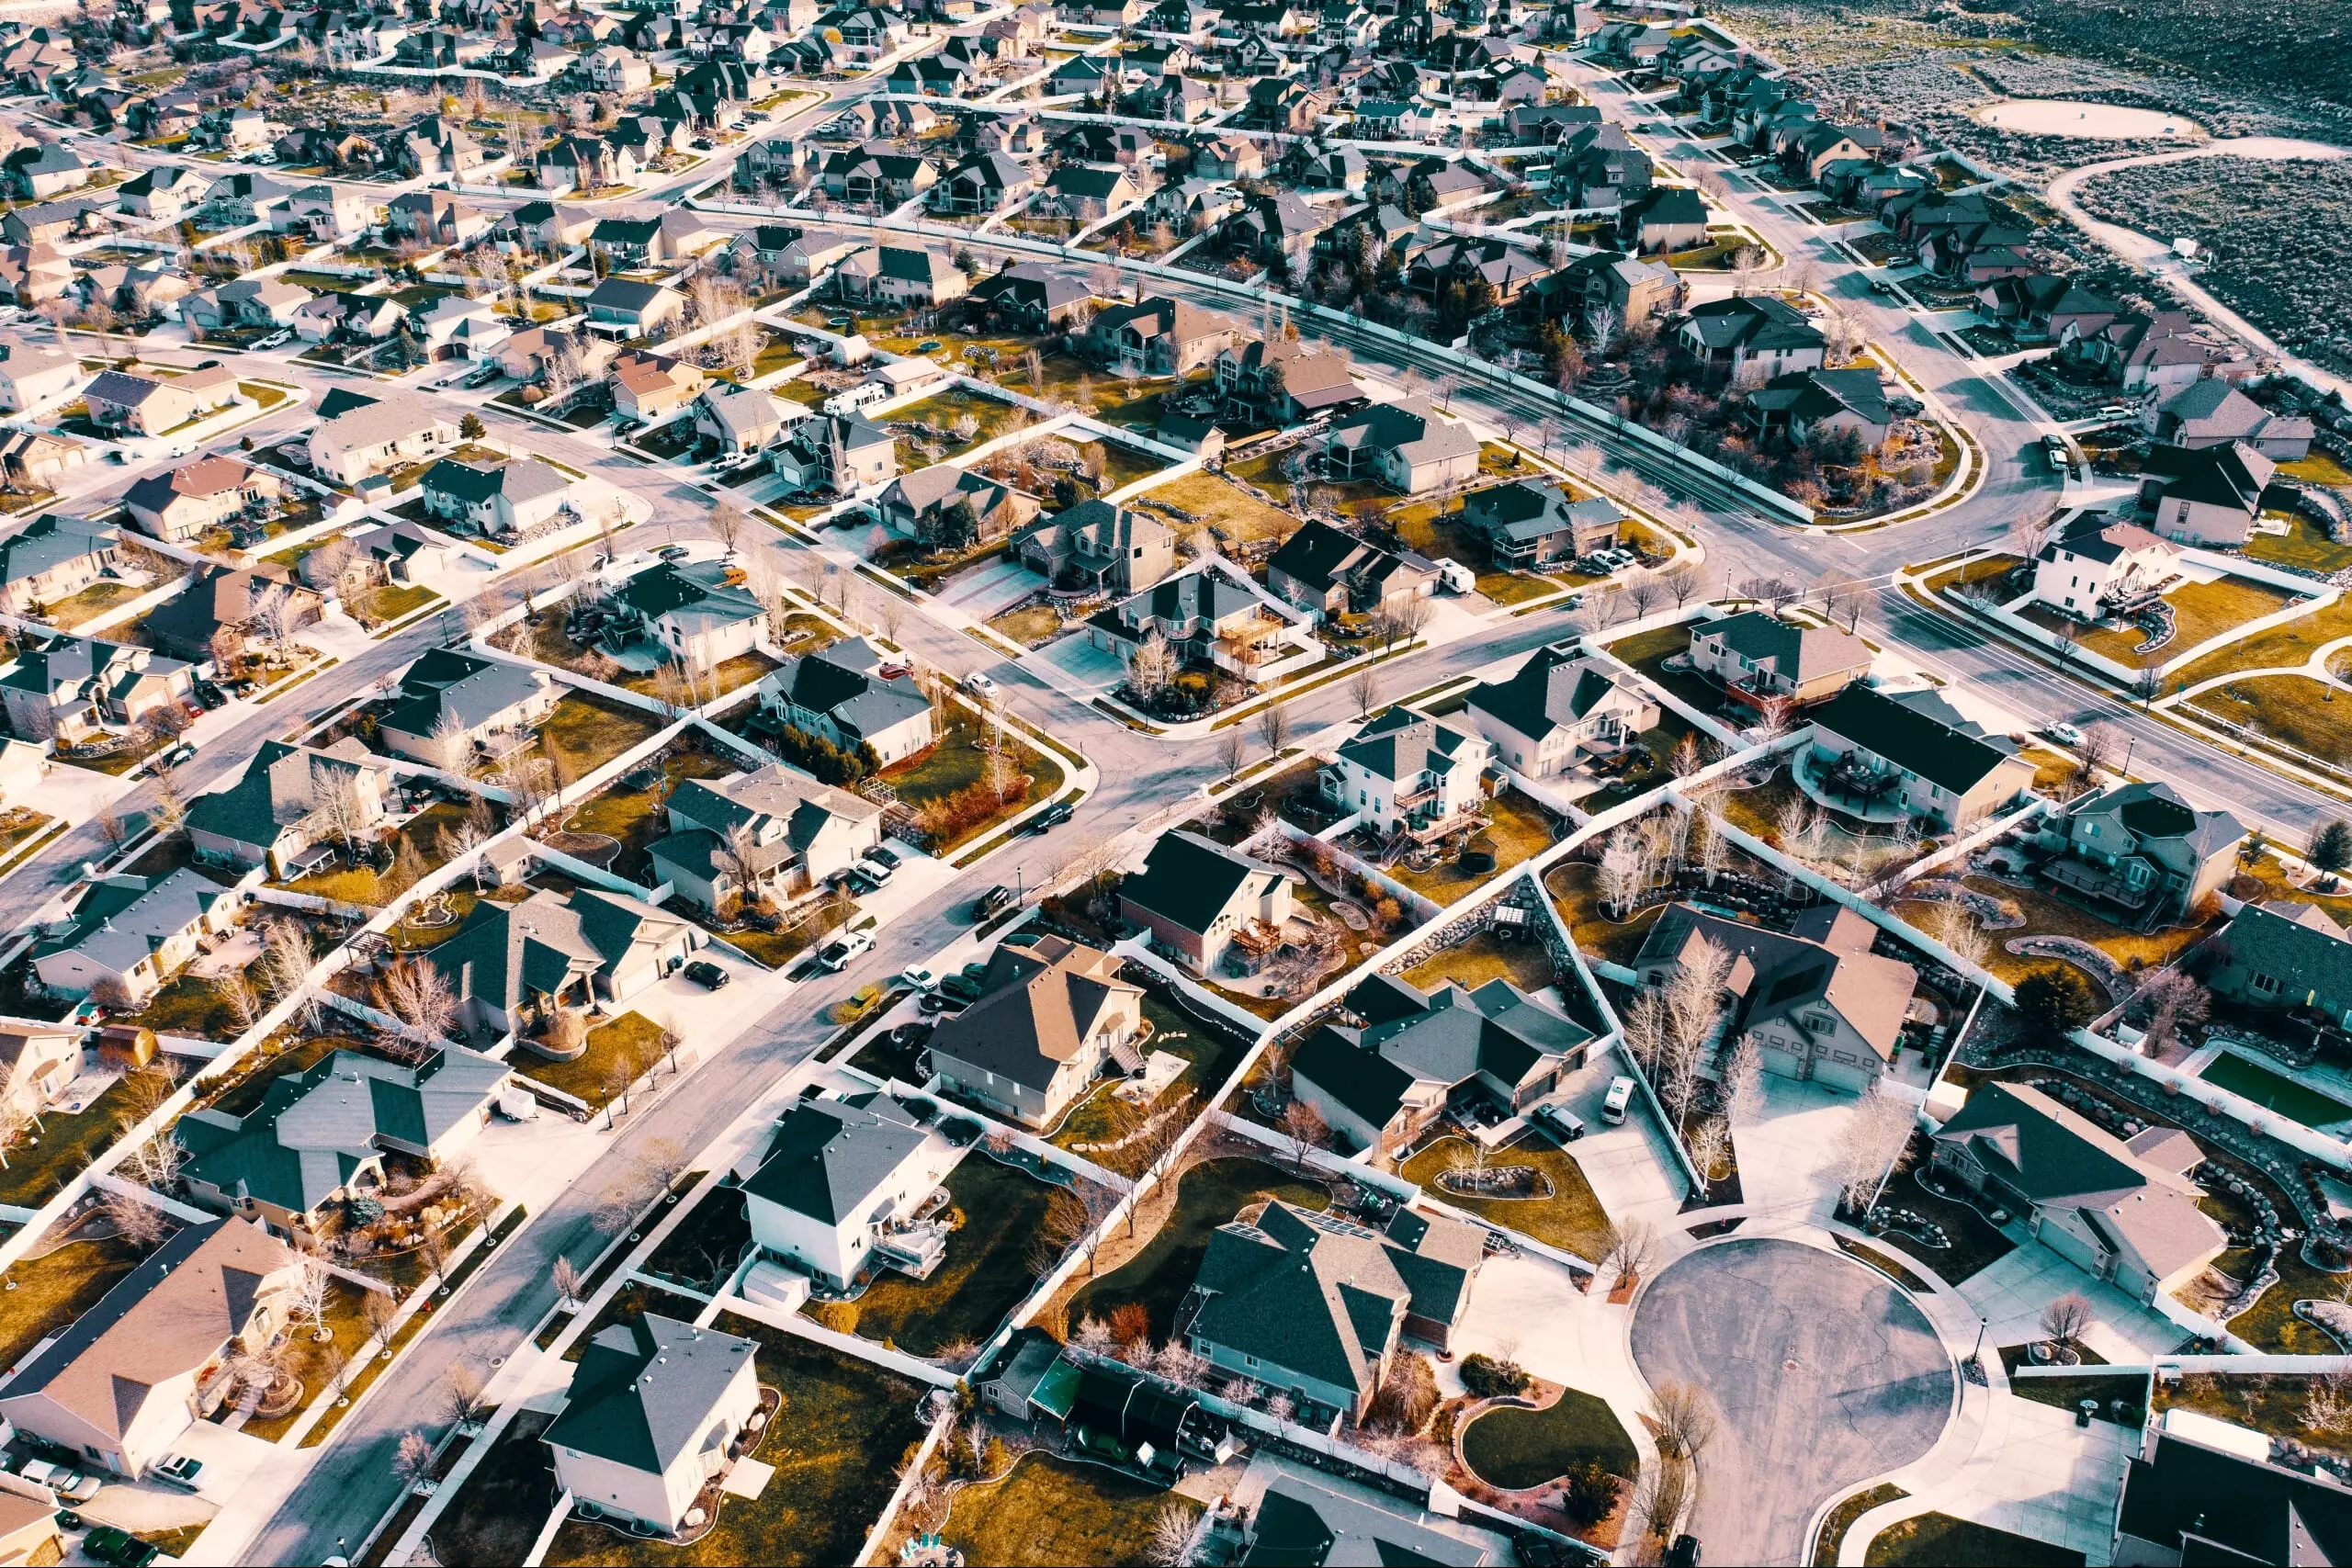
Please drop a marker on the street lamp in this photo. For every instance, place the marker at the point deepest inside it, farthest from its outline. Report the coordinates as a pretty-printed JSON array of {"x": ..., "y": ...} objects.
[{"x": 1976, "y": 1357}]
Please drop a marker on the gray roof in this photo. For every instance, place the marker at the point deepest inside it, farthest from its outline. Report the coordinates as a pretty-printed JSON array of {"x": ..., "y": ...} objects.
[
  {"x": 646, "y": 1393},
  {"x": 501, "y": 954},
  {"x": 828, "y": 1157},
  {"x": 121, "y": 922},
  {"x": 1303, "y": 1521},
  {"x": 1914, "y": 736},
  {"x": 1551, "y": 689},
  {"x": 50, "y": 540},
  {"x": 276, "y": 790},
  {"x": 1401, "y": 744},
  {"x": 845, "y": 682},
  {"x": 1189, "y": 880},
  {"x": 1797, "y": 653},
  {"x": 1449, "y": 1036},
  {"x": 469, "y": 690}
]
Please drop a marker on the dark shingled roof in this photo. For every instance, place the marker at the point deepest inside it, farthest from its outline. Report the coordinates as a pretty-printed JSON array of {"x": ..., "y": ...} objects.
[
  {"x": 1188, "y": 879},
  {"x": 826, "y": 1157},
  {"x": 1915, "y": 740},
  {"x": 645, "y": 1391}
]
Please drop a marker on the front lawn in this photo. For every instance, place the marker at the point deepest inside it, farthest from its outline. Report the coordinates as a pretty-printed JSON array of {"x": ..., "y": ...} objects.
[
  {"x": 1516, "y": 830},
  {"x": 954, "y": 765},
  {"x": 1485, "y": 956},
  {"x": 387, "y": 602},
  {"x": 2200, "y": 609},
  {"x": 2293, "y": 709},
  {"x": 835, "y": 1446},
  {"x": 1050, "y": 1511},
  {"x": 2284, "y": 647},
  {"x": 1571, "y": 1217},
  {"x": 1948, "y": 1543},
  {"x": 496, "y": 1515},
  {"x": 50, "y": 1291},
  {"x": 626, "y": 1044},
  {"x": 1207, "y": 1195},
  {"x": 984, "y": 1276},
  {"x": 1515, "y": 1449},
  {"x": 313, "y": 1361},
  {"x": 2048, "y": 916},
  {"x": 592, "y": 730},
  {"x": 1974, "y": 1242}
]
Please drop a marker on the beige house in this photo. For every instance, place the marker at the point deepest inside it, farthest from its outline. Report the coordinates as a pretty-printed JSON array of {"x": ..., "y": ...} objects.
[
  {"x": 2123, "y": 1210},
  {"x": 1406, "y": 445},
  {"x": 1048, "y": 1017},
  {"x": 1198, "y": 899},
  {"x": 292, "y": 804},
  {"x": 379, "y": 435},
  {"x": 1760, "y": 654},
  {"x": 54, "y": 557},
  {"x": 146, "y": 405},
  {"x": 119, "y": 1386},
  {"x": 650, "y": 387},
  {"x": 657, "y": 1411},
  {"x": 36, "y": 1061},
  {"x": 179, "y": 503},
  {"x": 774, "y": 831},
  {"x": 1820, "y": 1004},
  {"x": 1872, "y": 750},
  {"x": 2100, "y": 566},
  {"x": 1558, "y": 709},
  {"x": 33, "y": 374},
  {"x": 133, "y": 933}
]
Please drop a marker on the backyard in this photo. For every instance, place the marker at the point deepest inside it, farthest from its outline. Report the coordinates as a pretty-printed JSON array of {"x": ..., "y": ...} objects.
[
  {"x": 991, "y": 418},
  {"x": 2047, "y": 916},
  {"x": 55, "y": 1153},
  {"x": 1207, "y": 1195},
  {"x": 1571, "y": 1217},
  {"x": 2286, "y": 647},
  {"x": 986, "y": 1272},
  {"x": 2294, "y": 709},
  {"x": 47, "y": 1292},
  {"x": 1487, "y": 956},
  {"x": 2276, "y": 1091},
  {"x": 955, "y": 764},
  {"x": 2200, "y": 609},
  {"x": 1515, "y": 1449},
  {"x": 1210, "y": 1053},
  {"x": 362, "y": 885},
  {"x": 2305, "y": 544},
  {"x": 591, "y": 730},
  {"x": 191, "y": 1005},
  {"x": 1242, "y": 517},
  {"x": 1049, "y": 1511},
  {"x": 632, "y": 809},
  {"x": 834, "y": 1446},
  {"x": 1574, "y": 890},
  {"x": 1516, "y": 830}
]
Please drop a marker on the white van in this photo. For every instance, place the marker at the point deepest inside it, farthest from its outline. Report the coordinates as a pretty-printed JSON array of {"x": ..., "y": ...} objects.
[
  {"x": 858, "y": 397},
  {"x": 1621, "y": 1095}
]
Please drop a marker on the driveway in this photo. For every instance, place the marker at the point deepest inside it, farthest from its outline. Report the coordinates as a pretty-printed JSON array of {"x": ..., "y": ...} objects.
[
  {"x": 1825, "y": 1375},
  {"x": 998, "y": 585}
]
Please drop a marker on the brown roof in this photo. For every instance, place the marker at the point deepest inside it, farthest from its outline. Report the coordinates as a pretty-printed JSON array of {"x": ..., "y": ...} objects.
[
  {"x": 1037, "y": 1007},
  {"x": 167, "y": 1317},
  {"x": 208, "y": 476},
  {"x": 643, "y": 373}
]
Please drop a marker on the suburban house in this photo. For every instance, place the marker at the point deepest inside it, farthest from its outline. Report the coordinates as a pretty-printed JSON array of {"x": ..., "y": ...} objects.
[
  {"x": 34, "y": 460},
  {"x": 930, "y": 500},
  {"x": 1753, "y": 337},
  {"x": 70, "y": 687},
  {"x": 1298, "y": 1520},
  {"x": 1048, "y": 1017},
  {"x": 848, "y": 1186},
  {"x": 1098, "y": 545},
  {"x": 130, "y": 934},
  {"x": 1208, "y": 617},
  {"x": 320, "y": 1136},
  {"x": 2207, "y": 496},
  {"x": 1284, "y": 382},
  {"x": 1819, "y": 1004},
  {"x": 513, "y": 498},
  {"x": 123, "y": 1382},
  {"x": 636, "y": 309},
  {"x": 1383, "y": 1082},
  {"x": 1156, "y": 337},
  {"x": 650, "y": 386},
  {"x": 143, "y": 405},
  {"x": 2100, "y": 565},
  {"x": 513, "y": 965},
  {"x": 851, "y": 693},
  {"x": 1403, "y": 772},
  {"x": 2212, "y": 411},
  {"x": 2143, "y": 848},
  {"x": 2204, "y": 1490},
  {"x": 54, "y": 557},
  {"x": 33, "y": 374},
  {"x": 1407, "y": 445},
  {"x": 1324, "y": 570},
  {"x": 2044, "y": 306},
  {"x": 899, "y": 275},
  {"x": 1558, "y": 708},
  {"x": 182, "y": 503},
  {"x": 1034, "y": 298},
  {"x": 657, "y": 1411},
  {"x": 1804, "y": 404},
  {"x": 1916, "y": 751},
  {"x": 1530, "y": 525},
  {"x": 36, "y": 1061},
  {"x": 450, "y": 701},
  {"x": 1758, "y": 654},
  {"x": 1316, "y": 1306},
  {"x": 837, "y": 454},
  {"x": 263, "y": 603},
  {"x": 770, "y": 833},
  {"x": 2123, "y": 1210},
  {"x": 2285, "y": 955},
  {"x": 691, "y": 613},
  {"x": 291, "y": 805},
  {"x": 1196, "y": 898},
  {"x": 388, "y": 552},
  {"x": 372, "y": 435},
  {"x": 742, "y": 419}
]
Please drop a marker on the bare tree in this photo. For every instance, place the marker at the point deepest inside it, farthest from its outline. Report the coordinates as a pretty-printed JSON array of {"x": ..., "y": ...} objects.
[
  {"x": 1305, "y": 1130},
  {"x": 727, "y": 520},
  {"x": 1744, "y": 1082},
  {"x": 413, "y": 1463},
  {"x": 2065, "y": 1318},
  {"x": 461, "y": 1399},
  {"x": 415, "y": 991},
  {"x": 1960, "y": 933},
  {"x": 569, "y": 1284},
  {"x": 2175, "y": 1002},
  {"x": 1364, "y": 687},
  {"x": 1683, "y": 1419},
  {"x": 1273, "y": 727},
  {"x": 2101, "y": 745},
  {"x": 1646, "y": 1029},
  {"x": 1627, "y": 1251},
  {"x": 1169, "y": 1543},
  {"x": 1643, "y": 592},
  {"x": 1681, "y": 580},
  {"x": 1625, "y": 871},
  {"x": 1232, "y": 750},
  {"x": 1869, "y": 1143}
]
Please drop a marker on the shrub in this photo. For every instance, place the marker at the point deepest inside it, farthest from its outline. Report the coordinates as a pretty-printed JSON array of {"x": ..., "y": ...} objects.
[
  {"x": 1486, "y": 1376},
  {"x": 1590, "y": 1492},
  {"x": 1407, "y": 1397},
  {"x": 1130, "y": 1323},
  {"x": 2053, "y": 1002},
  {"x": 839, "y": 1317}
]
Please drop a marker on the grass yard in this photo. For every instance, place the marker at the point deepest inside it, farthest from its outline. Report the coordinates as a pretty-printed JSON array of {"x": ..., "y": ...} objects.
[
  {"x": 630, "y": 1042},
  {"x": 728, "y": 676},
  {"x": 1571, "y": 1218},
  {"x": 54, "y": 1153},
  {"x": 835, "y": 1447},
  {"x": 496, "y": 1515},
  {"x": 705, "y": 1247},
  {"x": 2276, "y": 1091},
  {"x": 52, "y": 1292},
  {"x": 1483, "y": 958},
  {"x": 91, "y": 603},
  {"x": 2200, "y": 609},
  {"x": 1515, "y": 1449},
  {"x": 592, "y": 730},
  {"x": 1841, "y": 1518},
  {"x": 1242, "y": 517},
  {"x": 2275, "y": 884},
  {"x": 313, "y": 1361},
  {"x": 1982, "y": 569},
  {"x": 1031, "y": 625},
  {"x": 2279, "y": 648},
  {"x": 2270, "y": 1324},
  {"x": 637, "y": 816},
  {"x": 1212, "y": 1052},
  {"x": 1207, "y": 1195},
  {"x": 2293, "y": 709},
  {"x": 2274, "y": 1402},
  {"x": 188, "y": 1006},
  {"x": 383, "y": 604},
  {"x": 1948, "y": 1543},
  {"x": 2046, "y": 916},
  {"x": 942, "y": 410},
  {"x": 954, "y": 763},
  {"x": 1575, "y": 889},
  {"x": 1516, "y": 830},
  {"x": 2318, "y": 468},
  {"x": 1122, "y": 465},
  {"x": 1050, "y": 1511},
  {"x": 2304, "y": 544},
  {"x": 1976, "y": 1242},
  {"x": 984, "y": 1276}
]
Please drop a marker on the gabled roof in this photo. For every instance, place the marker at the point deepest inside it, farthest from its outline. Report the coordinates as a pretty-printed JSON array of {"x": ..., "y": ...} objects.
[
  {"x": 1798, "y": 653},
  {"x": 645, "y": 1393},
  {"x": 1300, "y": 1521},
  {"x": 828, "y": 1157},
  {"x": 1037, "y": 1007},
  {"x": 1400, "y": 745},
  {"x": 1913, "y": 735},
  {"x": 279, "y": 789},
  {"x": 1553, "y": 688},
  {"x": 1189, "y": 880},
  {"x": 501, "y": 952},
  {"x": 120, "y": 922},
  {"x": 845, "y": 682},
  {"x": 1824, "y": 961}
]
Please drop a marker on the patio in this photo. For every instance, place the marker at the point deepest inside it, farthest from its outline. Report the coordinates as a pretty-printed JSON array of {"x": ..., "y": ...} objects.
[{"x": 1850, "y": 786}]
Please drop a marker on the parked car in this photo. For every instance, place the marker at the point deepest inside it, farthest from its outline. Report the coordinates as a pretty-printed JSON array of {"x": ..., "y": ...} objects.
[
  {"x": 177, "y": 756},
  {"x": 940, "y": 1001},
  {"x": 180, "y": 1470},
  {"x": 915, "y": 977},
  {"x": 483, "y": 376},
  {"x": 1564, "y": 1126},
  {"x": 2064, "y": 734},
  {"x": 862, "y": 879},
  {"x": 1053, "y": 817},
  {"x": 837, "y": 954},
  {"x": 995, "y": 901},
  {"x": 1621, "y": 1095},
  {"x": 706, "y": 975},
  {"x": 63, "y": 1479},
  {"x": 108, "y": 1544},
  {"x": 672, "y": 552},
  {"x": 961, "y": 988},
  {"x": 876, "y": 870},
  {"x": 881, "y": 854},
  {"x": 980, "y": 686},
  {"x": 2056, "y": 446}
]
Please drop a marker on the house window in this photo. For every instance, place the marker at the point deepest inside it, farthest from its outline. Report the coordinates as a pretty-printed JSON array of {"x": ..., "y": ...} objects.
[{"x": 2267, "y": 985}]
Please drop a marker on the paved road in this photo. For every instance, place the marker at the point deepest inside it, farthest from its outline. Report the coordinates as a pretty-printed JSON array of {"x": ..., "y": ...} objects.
[{"x": 1825, "y": 1373}]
